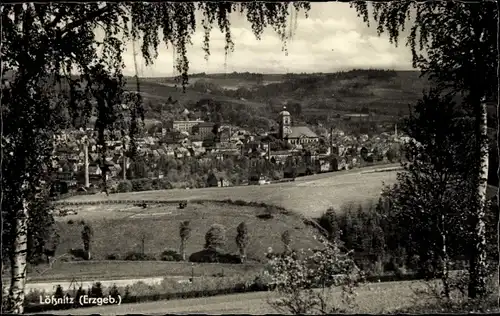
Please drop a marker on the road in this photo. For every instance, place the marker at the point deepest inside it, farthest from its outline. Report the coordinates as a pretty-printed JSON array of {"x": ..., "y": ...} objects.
[
  {"x": 309, "y": 196},
  {"x": 372, "y": 298}
]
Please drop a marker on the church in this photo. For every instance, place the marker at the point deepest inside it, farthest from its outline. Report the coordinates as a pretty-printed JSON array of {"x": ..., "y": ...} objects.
[{"x": 294, "y": 134}]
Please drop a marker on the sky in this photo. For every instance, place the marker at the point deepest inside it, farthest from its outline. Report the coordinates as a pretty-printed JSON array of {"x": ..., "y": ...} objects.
[{"x": 332, "y": 38}]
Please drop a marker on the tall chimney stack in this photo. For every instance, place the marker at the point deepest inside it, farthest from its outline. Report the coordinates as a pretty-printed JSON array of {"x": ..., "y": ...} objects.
[
  {"x": 86, "y": 162},
  {"x": 124, "y": 166},
  {"x": 331, "y": 140}
]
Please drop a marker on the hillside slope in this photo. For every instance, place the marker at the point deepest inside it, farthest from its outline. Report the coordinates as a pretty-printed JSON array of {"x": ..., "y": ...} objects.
[{"x": 383, "y": 92}]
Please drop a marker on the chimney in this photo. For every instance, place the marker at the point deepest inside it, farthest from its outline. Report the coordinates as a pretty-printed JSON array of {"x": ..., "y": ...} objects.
[
  {"x": 86, "y": 163},
  {"x": 124, "y": 166},
  {"x": 331, "y": 140}
]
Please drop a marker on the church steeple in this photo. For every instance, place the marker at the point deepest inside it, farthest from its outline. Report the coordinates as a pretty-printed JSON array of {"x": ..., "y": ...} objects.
[{"x": 285, "y": 123}]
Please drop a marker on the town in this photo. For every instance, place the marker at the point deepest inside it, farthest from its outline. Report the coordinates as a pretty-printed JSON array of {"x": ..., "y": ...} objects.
[{"x": 288, "y": 151}]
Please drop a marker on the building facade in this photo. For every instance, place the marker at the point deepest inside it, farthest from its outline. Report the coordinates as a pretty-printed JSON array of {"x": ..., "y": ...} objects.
[{"x": 185, "y": 126}]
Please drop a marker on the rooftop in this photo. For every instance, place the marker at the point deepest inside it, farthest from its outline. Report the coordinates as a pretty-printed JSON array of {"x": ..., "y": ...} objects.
[{"x": 301, "y": 131}]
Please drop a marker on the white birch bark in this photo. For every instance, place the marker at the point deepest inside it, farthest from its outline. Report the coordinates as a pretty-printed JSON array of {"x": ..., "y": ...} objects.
[
  {"x": 478, "y": 266},
  {"x": 18, "y": 261}
]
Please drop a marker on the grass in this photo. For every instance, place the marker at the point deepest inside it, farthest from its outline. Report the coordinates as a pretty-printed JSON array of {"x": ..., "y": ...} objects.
[
  {"x": 308, "y": 196},
  {"x": 119, "y": 232},
  {"x": 111, "y": 270},
  {"x": 372, "y": 298}
]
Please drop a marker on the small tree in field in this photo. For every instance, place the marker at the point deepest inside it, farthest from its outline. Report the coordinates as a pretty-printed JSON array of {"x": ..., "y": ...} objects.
[
  {"x": 286, "y": 238},
  {"x": 297, "y": 275},
  {"x": 59, "y": 293},
  {"x": 242, "y": 239},
  {"x": 184, "y": 233},
  {"x": 215, "y": 237},
  {"x": 87, "y": 235}
]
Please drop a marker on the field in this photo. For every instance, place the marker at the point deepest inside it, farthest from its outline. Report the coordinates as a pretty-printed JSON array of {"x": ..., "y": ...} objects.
[
  {"x": 116, "y": 270},
  {"x": 309, "y": 196},
  {"x": 371, "y": 298},
  {"x": 120, "y": 229}
]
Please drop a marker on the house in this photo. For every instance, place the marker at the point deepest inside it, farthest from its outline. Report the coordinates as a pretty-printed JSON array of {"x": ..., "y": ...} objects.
[
  {"x": 181, "y": 152},
  {"x": 173, "y": 137},
  {"x": 225, "y": 135},
  {"x": 94, "y": 170},
  {"x": 279, "y": 156},
  {"x": 155, "y": 154},
  {"x": 257, "y": 179},
  {"x": 204, "y": 129},
  {"x": 197, "y": 151},
  {"x": 115, "y": 170},
  {"x": 170, "y": 152},
  {"x": 93, "y": 157},
  {"x": 185, "y": 126},
  {"x": 161, "y": 151},
  {"x": 217, "y": 180}
]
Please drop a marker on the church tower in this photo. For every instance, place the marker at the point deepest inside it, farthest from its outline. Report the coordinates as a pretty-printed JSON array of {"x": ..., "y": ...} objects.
[{"x": 285, "y": 123}]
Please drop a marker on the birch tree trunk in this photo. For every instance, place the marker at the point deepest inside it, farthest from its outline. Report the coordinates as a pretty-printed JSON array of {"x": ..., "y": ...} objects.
[
  {"x": 478, "y": 264},
  {"x": 18, "y": 261},
  {"x": 446, "y": 262}
]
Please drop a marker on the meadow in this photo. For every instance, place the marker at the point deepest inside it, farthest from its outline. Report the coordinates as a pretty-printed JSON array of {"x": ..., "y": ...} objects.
[
  {"x": 308, "y": 196},
  {"x": 118, "y": 270},
  {"x": 156, "y": 229}
]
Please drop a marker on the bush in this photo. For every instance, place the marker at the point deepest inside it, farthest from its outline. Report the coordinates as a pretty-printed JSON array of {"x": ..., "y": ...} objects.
[
  {"x": 79, "y": 293},
  {"x": 164, "y": 184},
  {"x": 170, "y": 255},
  {"x": 259, "y": 284},
  {"x": 269, "y": 212},
  {"x": 330, "y": 223},
  {"x": 71, "y": 222},
  {"x": 113, "y": 292},
  {"x": 78, "y": 254},
  {"x": 96, "y": 290},
  {"x": 213, "y": 256},
  {"x": 297, "y": 273},
  {"x": 215, "y": 237},
  {"x": 265, "y": 216},
  {"x": 124, "y": 187},
  {"x": 59, "y": 293},
  {"x": 142, "y": 185},
  {"x": 113, "y": 256},
  {"x": 138, "y": 256}
]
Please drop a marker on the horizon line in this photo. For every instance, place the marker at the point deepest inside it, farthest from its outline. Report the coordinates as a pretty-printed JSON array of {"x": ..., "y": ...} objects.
[{"x": 274, "y": 74}]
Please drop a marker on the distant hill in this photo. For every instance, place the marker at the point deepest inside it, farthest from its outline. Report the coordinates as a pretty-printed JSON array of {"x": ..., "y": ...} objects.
[
  {"x": 256, "y": 99},
  {"x": 382, "y": 91}
]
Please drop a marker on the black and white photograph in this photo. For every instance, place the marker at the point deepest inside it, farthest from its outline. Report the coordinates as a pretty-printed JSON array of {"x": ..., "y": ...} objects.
[{"x": 250, "y": 157}]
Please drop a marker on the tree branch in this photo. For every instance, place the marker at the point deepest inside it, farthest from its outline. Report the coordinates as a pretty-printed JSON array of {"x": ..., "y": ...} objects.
[
  {"x": 89, "y": 17},
  {"x": 40, "y": 14},
  {"x": 58, "y": 17}
]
